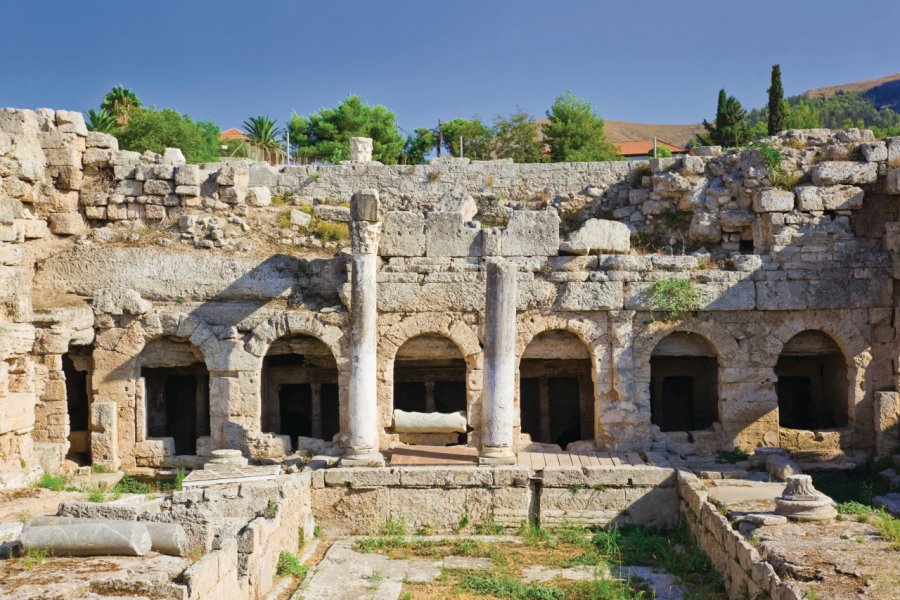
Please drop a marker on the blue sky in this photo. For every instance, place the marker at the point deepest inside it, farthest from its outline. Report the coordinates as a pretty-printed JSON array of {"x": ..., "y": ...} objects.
[{"x": 649, "y": 61}]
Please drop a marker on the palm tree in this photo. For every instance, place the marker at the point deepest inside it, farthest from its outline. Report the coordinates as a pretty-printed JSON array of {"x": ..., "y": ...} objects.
[
  {"x": 264, "y": 134},
  {"x": 119, "y": 102},
  {"x": 101, "y": 120}
]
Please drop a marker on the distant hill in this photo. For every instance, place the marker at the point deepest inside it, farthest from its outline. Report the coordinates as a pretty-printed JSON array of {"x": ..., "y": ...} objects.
[
  {"x": 624, "y": 131},
  {"x": 884, "y": 91}
]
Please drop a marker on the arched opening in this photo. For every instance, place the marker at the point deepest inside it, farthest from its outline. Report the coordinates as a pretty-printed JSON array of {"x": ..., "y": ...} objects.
[
  {"x": 684, "y": 383},
  {"x": 176, "y": 391},
  {"x": 812, "y": 383},
  {"x": 556, "y": 400},
  {"x": 430, "y": 377},
  {"x": 300, "y": 389},
  {"x": 76, "y": 367}
]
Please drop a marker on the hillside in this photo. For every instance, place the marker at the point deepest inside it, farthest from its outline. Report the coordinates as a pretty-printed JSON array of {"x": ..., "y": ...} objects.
[
  {"x": 623, "y": 131},
  {"x": 883, "y": 91}
]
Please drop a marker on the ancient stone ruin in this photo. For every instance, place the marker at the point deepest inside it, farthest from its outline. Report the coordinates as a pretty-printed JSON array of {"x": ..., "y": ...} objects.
[{"x": 154, "y": 312}]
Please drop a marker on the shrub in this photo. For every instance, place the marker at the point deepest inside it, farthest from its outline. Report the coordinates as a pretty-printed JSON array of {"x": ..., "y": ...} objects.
[
  {"x": 156, "y": 130},
  {"x": 328, "y": 231},
  {"x": 661, "y": 152},
  {"x": 674, "y": 298},
  {"x": 131, "y": 485},
  {"x": 393, "y": 527}
]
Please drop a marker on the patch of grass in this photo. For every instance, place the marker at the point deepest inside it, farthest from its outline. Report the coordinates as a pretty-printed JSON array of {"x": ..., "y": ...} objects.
[
  {"x": 375, "y": 578},
  {"x": 859, "y": 485},
  {"x": 772, "y": 156},
  {"x": 675, "y": 220},
  {"x": 33, "y": 557},
  {"x": 132, "y": 485},
  {"x": 48, "y": 481},
  {"x": 23, "y": 516},
  {"x": 96, "y": 494},
  {"x": 314, "y": 177},
  {"x": 433, "y": 176},
  {"x": 532, "y": 534},
  {"x": 674, "y": 298},
  {"x": 488, "y": 529},
  {"x": 464, "y": 520},
  {"x": 393, "y": 527},
  {"x": 284, "y": 220},
  {"x": 785, "y": 180},
  {"x": 317, "y": 531},
  {"x": 271, "y": 509},
  {"x": 289, "y": 564},
  {"x": 505, "y": 586},
  {"x": 732, "y": 456},
  {"x": 574, "y": 488},
  {"x": 100, "y": 469}
]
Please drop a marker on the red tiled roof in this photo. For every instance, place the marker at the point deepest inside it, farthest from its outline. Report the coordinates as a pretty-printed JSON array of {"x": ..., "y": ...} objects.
[
  {"x": 643, "y": 147},
  {"x": 233, "y": 134}
]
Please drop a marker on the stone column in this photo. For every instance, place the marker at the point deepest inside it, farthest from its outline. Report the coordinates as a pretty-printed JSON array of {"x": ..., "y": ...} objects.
[
  {"x": 365, "y": 228},
  {"x": 499, "y": 364}
]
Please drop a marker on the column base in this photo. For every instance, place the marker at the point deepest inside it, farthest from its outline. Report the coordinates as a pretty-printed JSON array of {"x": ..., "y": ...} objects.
[
  {"x": 363, "y": 459},
  {"x": 497, "y": 456}
]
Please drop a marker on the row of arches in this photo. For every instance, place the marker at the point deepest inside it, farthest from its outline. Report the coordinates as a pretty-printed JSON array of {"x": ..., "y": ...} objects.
[{"x": 300, "y": 391}]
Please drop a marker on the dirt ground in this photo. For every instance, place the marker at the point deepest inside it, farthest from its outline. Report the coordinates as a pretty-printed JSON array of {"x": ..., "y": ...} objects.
[{"x": 22, "y": 503}]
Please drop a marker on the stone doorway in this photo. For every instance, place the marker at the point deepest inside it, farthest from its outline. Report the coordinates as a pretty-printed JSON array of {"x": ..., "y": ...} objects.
[
  {"x": 556, "y": 400},
  {"x": 76, "y": 367},
  {"x": 300, "y": 390},
  {"x": 812, "y": 383},
  {"x": 684, "y": 383},
  {"x": 430, "y": 377}
]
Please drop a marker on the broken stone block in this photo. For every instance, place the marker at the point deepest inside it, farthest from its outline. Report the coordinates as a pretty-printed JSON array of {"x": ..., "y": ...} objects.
[
  {"x": 837, "y": 197},
  {"x": 447, "y": 234},
  {"x": 258, "y": 196},
  {"x": 457, "y": 201},
  {"x": 187, "y": 175},
  {"x": 174, "y": 155},
  {"x": 328, "y": 212},
  {"x": 298, "y": 217},
  {"x": 598, "y": 235}
]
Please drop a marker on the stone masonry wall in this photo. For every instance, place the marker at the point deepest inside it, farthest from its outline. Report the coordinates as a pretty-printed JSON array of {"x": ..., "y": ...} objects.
[
  {"x": 108, "y": 251},
  {"x": 745, "y": 573}
]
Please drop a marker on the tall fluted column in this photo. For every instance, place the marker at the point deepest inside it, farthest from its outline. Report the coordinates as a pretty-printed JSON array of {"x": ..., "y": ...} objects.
[
  {"x": 365, "y": 229},
  {"x": 499, "y": 364}
]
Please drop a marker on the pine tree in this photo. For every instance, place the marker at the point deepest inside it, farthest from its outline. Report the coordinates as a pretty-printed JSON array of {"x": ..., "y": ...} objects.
[
  {"x": 731, "y": 127},
  {"x": 776, "y": 102},
  {"x": 720, "y": 109}
]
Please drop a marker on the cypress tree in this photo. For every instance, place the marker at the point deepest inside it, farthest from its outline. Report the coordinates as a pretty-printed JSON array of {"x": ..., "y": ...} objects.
[
  {"x": 720, "y": 109},
  {"x": 776, "y": 102}
]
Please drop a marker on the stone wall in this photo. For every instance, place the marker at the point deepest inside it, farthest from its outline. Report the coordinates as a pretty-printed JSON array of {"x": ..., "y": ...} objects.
[
  {"x": 359, "y": 501},
  {"x": 745, "y": 573},
  {"x": 107, "y": 251},
  {"x": 238, "y": 529}
]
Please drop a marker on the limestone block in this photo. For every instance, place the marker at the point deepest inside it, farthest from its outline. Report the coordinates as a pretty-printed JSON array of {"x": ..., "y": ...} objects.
[
  {"x": 447, "y": 234},
  {"x": 844, "y": 172},
  {"x": 360, "y": 149},
  {"x": 298, "y": 217},
  {"x": 174, "y": 155},
  {"x": 152, "y": 452},
  {"x": 233, "y": 176},
  {"x": 263, "y": 175},
  {"x": 837, "y": 197},
  {"x": 96, "y": 157},
  {"x": 12, "y": 255},
  {"x": 420, "y": 422},
  {"x": 154, "y": 212},
  {"x": 531, "y": 233},
  {"x": 116, "y": 301},
  {"x": 773, "y": 200},
  {"x": 95, "y": 139},
  {"x": 122, "y": 538},
  {"x": 327, "y": 212},
  {"x": 67, "y": 224},
  {"x": 457, "y": 201},
  {"x": 892, "y": 181},
  {"x": 590, "y": 295},
  {"x": 782, "y": 295},
  {"x": 70, "y": 121},
  {"x": 714, "y": 295},
  {"x": 16, "y": 412},
  {"x": 403, "y": 234},
  {"x": 887, "y": 422},
  {"x": 259, "y": 196},
  {"x": 158, "y": 187},
  {"x": 233, "y": 194},
  {"x": 10, "y": 210},
  {"x": 187, "y": 190},
  {"x": 705, "y": 227},
  {"x": 187, "y": 175},
  {"x": 598, "y": 235},
  {"x": 130, "y": 187},
  {"x": 874, "y": 151}
]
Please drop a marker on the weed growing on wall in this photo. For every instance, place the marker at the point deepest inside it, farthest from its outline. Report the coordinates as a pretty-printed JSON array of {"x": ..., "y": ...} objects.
[{"x": 674, "y": 298}]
